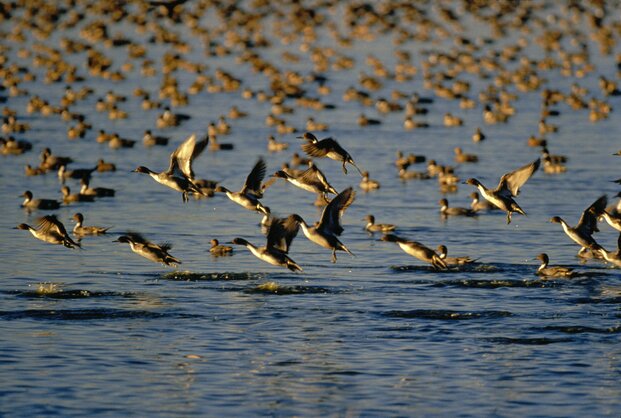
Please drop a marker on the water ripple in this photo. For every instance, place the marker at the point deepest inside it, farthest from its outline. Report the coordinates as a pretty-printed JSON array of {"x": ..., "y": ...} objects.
[
  {"x": 84, "y": 314},
  {"x": 446, "y": 314}
]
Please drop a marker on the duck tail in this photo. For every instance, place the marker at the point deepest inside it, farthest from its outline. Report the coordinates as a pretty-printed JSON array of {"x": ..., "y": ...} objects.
[
  {"x": 293, "y": 266},
  {"x": 516, "y": 208},
  {"x": 344, "y": 248}
]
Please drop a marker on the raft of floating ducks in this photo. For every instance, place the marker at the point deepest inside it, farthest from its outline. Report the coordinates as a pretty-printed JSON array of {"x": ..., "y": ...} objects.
[{"x": 441, "y": 70}]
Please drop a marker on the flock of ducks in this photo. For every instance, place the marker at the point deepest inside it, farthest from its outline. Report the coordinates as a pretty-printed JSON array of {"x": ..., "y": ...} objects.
[{"x": 442, "y": 73}]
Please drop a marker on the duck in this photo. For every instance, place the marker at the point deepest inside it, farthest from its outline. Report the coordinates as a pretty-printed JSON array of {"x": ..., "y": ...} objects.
[
  {"x": 582, "y": 233},
  {"x": 33, "y": 171},
  {"x": 508, "y": 187},
  {"x": 297, "y": 160},
  {"x": 405, "y": 174},
  {"x": 80, "y": 173},
  {"x": 218, "y": 249},
  {"x": 49, "y": 229},
  {"x": 96, "y": 191},
  {"x": 11, "y": 146},
  {"x": 179, "y": 176},
  {"x": 478, "y": 205},
  {"x": 250, "y": 193},
  {"x": 214, "y": 145},
  {"x": 312, "y": 180},
  {"x": 453, "y": 261},
  {"x": 478, "y": 135},
  {"x": 325, "y": 233},
  {"x": 280, "y": 235},
  {"x": 41, "y": 204},
  {"x": 327, "y": 147},
  {"x": 81, "y": 230},
  {"x": 275, "y": 146},
  {"x": 612, "y": 257},
  {"x": 117, "y": 142},
  {"x": 460, "y": 157},
  {"x": 446, "y": 211},
  {"x": 154, "y": 252},
  {"x": 150, "y": 140},
  {"x": 613, "y": 220},
  {"x": 552, "y": 271},
  {"x": 76, "y": 197},
  {"x": 371, "y": 226},
  {"x": 363, "y": 120},
  {"x": 103, "y": 166},
  {"x": 418, "y": 250},
  {"x": 368, "y": 184}
]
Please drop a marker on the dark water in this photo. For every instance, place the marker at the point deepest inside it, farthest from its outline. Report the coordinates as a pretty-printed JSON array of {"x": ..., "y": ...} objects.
[{"x": 381, "y": 334}]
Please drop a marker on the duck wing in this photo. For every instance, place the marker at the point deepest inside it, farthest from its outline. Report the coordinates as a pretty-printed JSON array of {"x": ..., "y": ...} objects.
[
  {"x": 313, "y": 177},
  {"x": 511, "y": 182},
  {"x": 137, "y": 238},
  {"x": 182, "y": 157},
  {"x": 281, "y": 233},
  {"x": 330, "y": 221},
  {"x": 254, "y": 179},
  {"x": 51, "y": 223},
  {"x": 588, "y": 221},
  {"x": 322, "y": 148}
]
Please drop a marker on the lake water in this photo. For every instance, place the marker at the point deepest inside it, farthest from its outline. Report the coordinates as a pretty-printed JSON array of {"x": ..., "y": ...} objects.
[{"x": 380, "y": 334}]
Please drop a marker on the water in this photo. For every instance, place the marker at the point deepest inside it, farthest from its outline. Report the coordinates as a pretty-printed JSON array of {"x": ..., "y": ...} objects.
[{"x": 380, "y": 334}]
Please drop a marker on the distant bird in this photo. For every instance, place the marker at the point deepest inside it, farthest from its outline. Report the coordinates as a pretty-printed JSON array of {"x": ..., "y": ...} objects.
[
  {"x": 453, "y": 261},
  {"x": 249, "y": 195},
  {"x": 43, "y": 204},
  {"x": 478, "y": 135},
  {"x": 279, "y": 237},
  {"x": 77, "y": 174},
  {"x": 371, "y": 226},
  {"x": 327, "y": 147},
  {"x": 274, "y": 146},
  {"x": 552, "y": 271},
  {"x": 103, "y": 166},
  {"x": 461, "y": 157},
  {"x": 179, "y": 176},
  {"x": 325, "y": 233},
  {"x": 446, "y": 211},
  {"x": 154, "y": 252},
  {"x": 81, "y": 230},
  {"x": 85, "y": 189},
  {"x": 478, "y": 205},
  {"x": 368, "y": 184},
  {"x": 312, "y": 180},
  {"x": 76, "y": 197},
  {"x": 508, "y": 187},
  {"x": 51, "y": 230},
  {"x": 218, "y": 249},
  {"x": 418, "y": 250},
  {"x": 582, "y": 233}
]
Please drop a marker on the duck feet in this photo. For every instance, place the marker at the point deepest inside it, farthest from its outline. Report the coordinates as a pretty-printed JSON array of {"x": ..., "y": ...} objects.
[{"x": 334, "y": 256}]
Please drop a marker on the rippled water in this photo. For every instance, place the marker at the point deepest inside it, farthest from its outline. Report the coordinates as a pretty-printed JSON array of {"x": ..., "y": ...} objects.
[{"x": 375, "y": 335}]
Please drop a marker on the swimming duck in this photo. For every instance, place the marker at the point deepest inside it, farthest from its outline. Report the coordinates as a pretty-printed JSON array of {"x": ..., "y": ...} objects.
[
  {"x": 453, "y": 261},
  {"x": 446, "y": 211},
  {"x": 297, "y": 160},
  {"x": 76, "y": 197},
  {"x": 80, "y": 230},
  {"x": 154, "y": 252},
  {"x": 180, "y": 162},
  {"x": 363, "y": 120},
  {"x": 508, "y": 187},
  {"x": 325, "y": 232},
  {"x": 33, "y": 171},
  {"x": 460, "y": 157},
  {"x": 478, "y": 205},
  {"x": 371, "y": 226},
  {"x": 103, "y": 166},
  {"x": 279, "y": 237},
  {"x": 275, "y": 146},
  {"x": 95, "y": 191},
  {"x": 418, "y": 250},
  {"x": 218, "y": 249},
  {"x": 43, "y": 204},
  {"x": 368, "y": 184},
  {"x": 11, "y": 146},
  {"x": 478, "y": 135},
  {"x": 587, "y": 225},
  {"x": 312, "y": 180},
  {"x": 150, "y": 140},
  {"x": 214, "y": 145},
  {"x": 249, "y": 195},
  {"x": 552, "y": 271},
  {"x": 50, "y": 229},
  {"x": 80, "y": 173},
  {"x": 327, "y": 147}
]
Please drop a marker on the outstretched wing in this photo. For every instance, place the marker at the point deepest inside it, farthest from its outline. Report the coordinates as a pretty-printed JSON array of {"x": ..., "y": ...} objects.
[
  {"x": 254, "y": 179},
  {"x": 312, "y": 176},
  {"x": 51, "y": 223},
  {"x": 588, "y": 221},
  {"x": 321, "y": 148},
  {"x": 281, "y": 233},
  {"x": 330, "y": 221},
  {"x": 185, "y": 153},
  {"x": 511, "y": 182},
  {"x": 136, "y": 237}
]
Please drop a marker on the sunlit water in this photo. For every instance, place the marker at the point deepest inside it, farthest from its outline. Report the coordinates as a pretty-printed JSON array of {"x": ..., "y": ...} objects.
[{"x": 375, "y": 335}]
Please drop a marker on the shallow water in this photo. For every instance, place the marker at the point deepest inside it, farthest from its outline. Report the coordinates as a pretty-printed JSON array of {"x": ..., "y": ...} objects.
[{"x": 380, "y": 334}]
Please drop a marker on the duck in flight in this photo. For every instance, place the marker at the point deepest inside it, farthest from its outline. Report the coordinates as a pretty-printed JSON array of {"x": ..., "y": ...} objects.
[
  {"x": 249, "y": 195},
  {"x": 325, "y": 233},
  {"x": 179, "y": 176},
  {"x": 582, "y": 233},
  {"x": 49, "y": 229},
  {"x": 327, "y": 147},
  {"x": 279, "y": 237},
  {"x": 312, "y": 180},
  {"x": 418, "y": 250},
  {"x": 508, "y": 188},
  {"x": 154, "y": 252}
]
